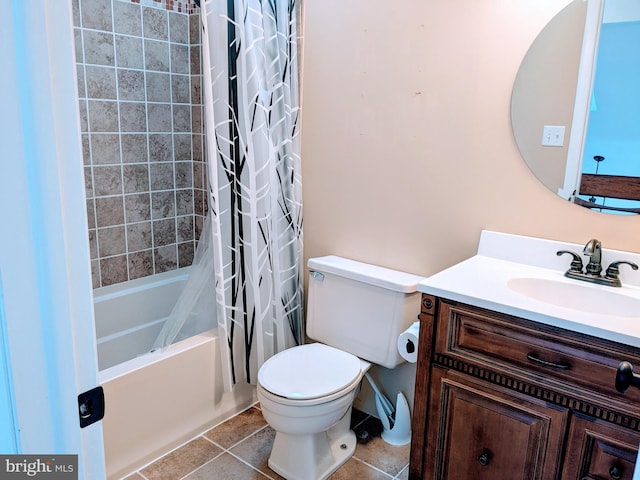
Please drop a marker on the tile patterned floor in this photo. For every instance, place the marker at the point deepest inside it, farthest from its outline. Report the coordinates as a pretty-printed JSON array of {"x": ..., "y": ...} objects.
[{"x": 239, "y": 448}]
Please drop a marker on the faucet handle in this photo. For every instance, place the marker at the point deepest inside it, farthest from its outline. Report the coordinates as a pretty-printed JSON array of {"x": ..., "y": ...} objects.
[
  {"x": 576, "y": 261},
  {"x": 613, "y": 269}
]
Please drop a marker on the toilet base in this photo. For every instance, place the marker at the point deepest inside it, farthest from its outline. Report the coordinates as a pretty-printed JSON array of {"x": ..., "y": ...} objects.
[{"x": 314, "y": 456}]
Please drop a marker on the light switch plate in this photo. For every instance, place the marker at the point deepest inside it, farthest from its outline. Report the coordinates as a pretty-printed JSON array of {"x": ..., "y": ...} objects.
[{"x": 553, "y": 135}]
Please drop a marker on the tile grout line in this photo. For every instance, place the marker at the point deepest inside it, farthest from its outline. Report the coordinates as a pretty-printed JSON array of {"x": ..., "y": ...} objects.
[
  {"x": 254, "y": 467},
  {"x": 228, "y": 451},
  {"x": 175, "y": 449},
  {"x": 377, "y": 469},
  {"x": 182, "y": 445},
  {"x": 202, "y": 435},
  {"x": 406, "y": 467},
  {"x": 207, "y": 462},
  {"x": 121, "y": 194}
]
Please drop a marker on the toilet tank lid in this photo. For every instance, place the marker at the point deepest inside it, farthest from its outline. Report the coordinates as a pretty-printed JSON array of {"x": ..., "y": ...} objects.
[{"x": 366, "y": 273}]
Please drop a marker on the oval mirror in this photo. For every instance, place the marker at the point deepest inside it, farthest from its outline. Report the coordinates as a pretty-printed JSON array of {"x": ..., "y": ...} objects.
[{"x": 575, "y": 106}]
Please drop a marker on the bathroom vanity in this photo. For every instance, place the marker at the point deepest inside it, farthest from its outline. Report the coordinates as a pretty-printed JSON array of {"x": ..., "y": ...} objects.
[{"x": 517, "y": 368}]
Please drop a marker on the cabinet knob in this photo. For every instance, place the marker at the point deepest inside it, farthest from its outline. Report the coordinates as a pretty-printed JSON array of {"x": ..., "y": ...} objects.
[
  {"x": 616, "y": 472},
  {"x": 484, "y": 458},
  {"x": 625, "y": 377}
]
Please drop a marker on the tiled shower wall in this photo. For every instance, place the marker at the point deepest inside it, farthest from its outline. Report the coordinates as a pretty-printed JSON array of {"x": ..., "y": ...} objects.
[{"x": 139, "y": 83}]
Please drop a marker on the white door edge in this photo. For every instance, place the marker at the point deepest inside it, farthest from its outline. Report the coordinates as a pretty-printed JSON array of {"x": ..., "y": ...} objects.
[{"x": 44, "y": 251}]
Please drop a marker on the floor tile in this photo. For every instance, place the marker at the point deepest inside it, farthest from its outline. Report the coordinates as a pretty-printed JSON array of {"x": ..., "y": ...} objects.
[
  {"x": 404, "y": 474},
  {"x": 181, "y": 461},
  {"x": 388, "y": 458},
  {"x": 256, "y": 449},
  {"x": 240, "y": 447},
  {"x": 354, "y": 469},
  {"x": 235, "y": 429},
  {"x": 134, "y": 476},
  {"x": 226, "y": 466}
]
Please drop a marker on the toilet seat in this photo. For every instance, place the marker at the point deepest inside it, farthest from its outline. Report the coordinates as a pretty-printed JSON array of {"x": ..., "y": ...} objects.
[{"x": 309, "y": 372}]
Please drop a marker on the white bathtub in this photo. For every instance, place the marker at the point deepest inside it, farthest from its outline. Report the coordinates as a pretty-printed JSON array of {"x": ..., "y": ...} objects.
[{"x": 155, "y": 402}]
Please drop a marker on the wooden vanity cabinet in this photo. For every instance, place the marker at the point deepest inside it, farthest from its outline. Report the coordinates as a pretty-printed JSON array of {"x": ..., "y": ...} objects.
[{"x": 500, "y": 397}]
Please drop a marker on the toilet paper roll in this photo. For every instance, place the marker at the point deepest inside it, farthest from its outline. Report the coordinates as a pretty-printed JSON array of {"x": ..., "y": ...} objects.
[{"x": 408, "y": 343}]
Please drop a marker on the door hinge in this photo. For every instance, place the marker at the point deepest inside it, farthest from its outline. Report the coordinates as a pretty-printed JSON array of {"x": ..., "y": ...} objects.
[{"x": 91, "y": 406}]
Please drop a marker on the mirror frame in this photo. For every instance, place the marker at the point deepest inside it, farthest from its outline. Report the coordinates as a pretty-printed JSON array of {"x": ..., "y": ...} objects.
[{"x": 584, "y": 87}]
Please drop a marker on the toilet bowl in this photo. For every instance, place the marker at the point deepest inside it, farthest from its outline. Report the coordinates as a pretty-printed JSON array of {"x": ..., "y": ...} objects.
[
  {"x": 306, "y": 394},
  {"x": 355, "y": 313}
]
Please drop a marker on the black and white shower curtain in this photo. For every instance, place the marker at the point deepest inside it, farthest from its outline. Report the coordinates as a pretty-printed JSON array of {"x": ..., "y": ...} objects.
[{"x": 251, "y": 80}]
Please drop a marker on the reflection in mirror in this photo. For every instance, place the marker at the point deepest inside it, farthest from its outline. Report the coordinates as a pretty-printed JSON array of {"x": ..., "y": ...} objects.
[
  {"x": 612, "y": 143},
  {"x": 582, "y": 73}
]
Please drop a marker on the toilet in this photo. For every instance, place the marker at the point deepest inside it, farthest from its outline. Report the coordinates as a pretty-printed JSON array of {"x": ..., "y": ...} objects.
[{"x": 355, "y": 313}]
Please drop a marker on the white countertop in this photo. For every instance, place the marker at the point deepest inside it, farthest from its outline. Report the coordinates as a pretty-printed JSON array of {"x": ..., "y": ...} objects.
[{"x": 482, "y": 280}]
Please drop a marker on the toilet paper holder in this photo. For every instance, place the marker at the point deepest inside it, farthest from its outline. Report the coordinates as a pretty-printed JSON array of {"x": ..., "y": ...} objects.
[
  {"x": 410, "y": 347},
  {"x": 408, "y": 343}
]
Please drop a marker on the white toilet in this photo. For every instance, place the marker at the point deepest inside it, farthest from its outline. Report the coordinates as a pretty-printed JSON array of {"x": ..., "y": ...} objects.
[{"x": 355, "y": 312}]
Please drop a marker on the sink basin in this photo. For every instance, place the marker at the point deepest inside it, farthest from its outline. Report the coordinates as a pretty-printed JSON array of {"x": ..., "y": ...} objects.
[
  {"x": 523, "y": 277},
  {"x": 586, "y": 298}
]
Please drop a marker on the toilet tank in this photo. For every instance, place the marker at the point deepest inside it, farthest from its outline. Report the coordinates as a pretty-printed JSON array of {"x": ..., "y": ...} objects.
[{"x": 360, "y": 308}]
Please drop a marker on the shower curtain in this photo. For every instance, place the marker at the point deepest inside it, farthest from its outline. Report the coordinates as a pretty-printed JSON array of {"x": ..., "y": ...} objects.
[{"x": 250, "y": 84}]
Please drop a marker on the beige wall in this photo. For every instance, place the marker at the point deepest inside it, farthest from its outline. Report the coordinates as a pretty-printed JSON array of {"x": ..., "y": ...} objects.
[{"x": 407, "y": 146}]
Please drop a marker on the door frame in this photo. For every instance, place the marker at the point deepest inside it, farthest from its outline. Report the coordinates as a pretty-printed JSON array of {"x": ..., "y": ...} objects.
[{"x": 46, "y": 307}]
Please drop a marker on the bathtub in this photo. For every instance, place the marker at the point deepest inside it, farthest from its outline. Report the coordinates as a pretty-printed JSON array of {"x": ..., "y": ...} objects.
[{"x": 154, "y": 402}]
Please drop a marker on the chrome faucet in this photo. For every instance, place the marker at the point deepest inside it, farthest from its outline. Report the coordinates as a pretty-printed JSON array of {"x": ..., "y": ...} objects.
[{"x": 593, "y": 249}]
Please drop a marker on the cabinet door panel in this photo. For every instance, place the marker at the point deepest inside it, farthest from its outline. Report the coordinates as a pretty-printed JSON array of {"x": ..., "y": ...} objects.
[
  {"x": 599, "y": 451},
  {"x": 483, "y": 433}
]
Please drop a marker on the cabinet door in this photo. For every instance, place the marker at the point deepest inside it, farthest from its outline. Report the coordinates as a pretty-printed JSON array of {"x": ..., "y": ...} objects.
[
  {"x": 481, "y": 432},
  {"x": 599, "y": 451}
]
